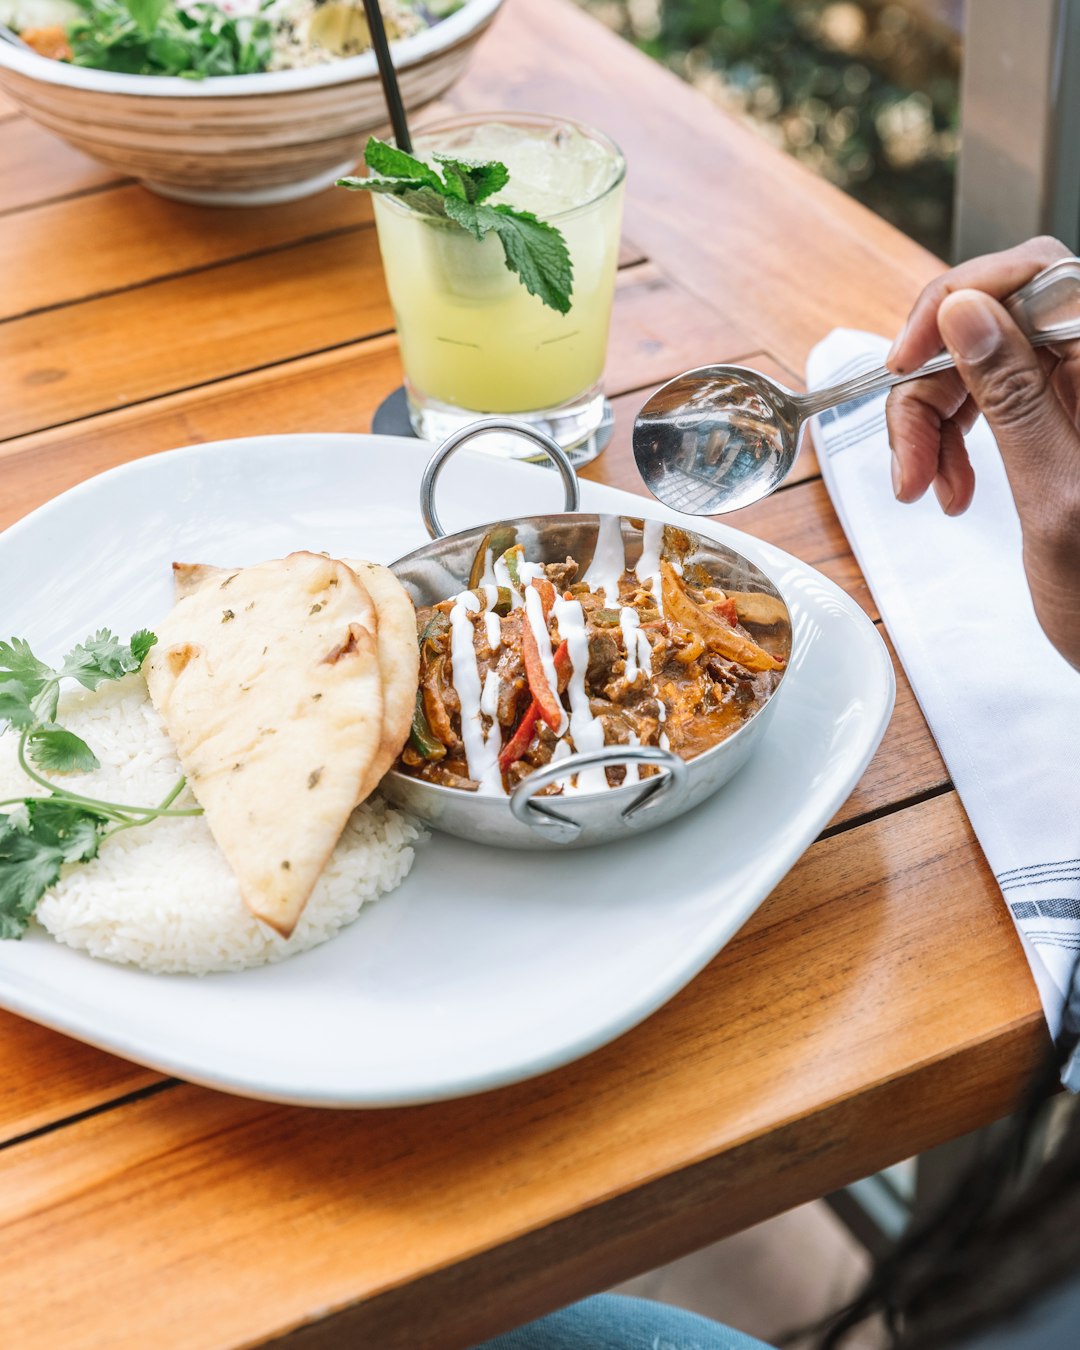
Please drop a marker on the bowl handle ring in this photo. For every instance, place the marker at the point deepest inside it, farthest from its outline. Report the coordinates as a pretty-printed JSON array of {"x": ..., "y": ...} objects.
[{"x": 458, "y": 438}]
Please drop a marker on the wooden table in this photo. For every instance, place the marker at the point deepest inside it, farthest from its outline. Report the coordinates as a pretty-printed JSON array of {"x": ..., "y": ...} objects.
[{"x": 877, "y": 1004}]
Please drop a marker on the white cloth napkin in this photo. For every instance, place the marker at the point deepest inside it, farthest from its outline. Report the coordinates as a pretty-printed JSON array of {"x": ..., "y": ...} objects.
[{"x": 1003, "y": 706}]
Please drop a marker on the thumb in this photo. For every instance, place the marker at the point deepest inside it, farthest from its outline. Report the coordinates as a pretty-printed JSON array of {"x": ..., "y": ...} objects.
[{"x": 1007, "y": 381}]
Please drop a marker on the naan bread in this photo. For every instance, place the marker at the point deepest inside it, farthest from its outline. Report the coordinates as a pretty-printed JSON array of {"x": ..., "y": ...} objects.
[
  {"x": 188, "y": 577},
  {"x": 399, "y": 663},
  {"x": 399, "y": 654},
  {"x": 268, "y": 683}
]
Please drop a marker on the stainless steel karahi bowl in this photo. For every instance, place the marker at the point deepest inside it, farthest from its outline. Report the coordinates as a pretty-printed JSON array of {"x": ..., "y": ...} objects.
[{"x": 523, "y": 819}]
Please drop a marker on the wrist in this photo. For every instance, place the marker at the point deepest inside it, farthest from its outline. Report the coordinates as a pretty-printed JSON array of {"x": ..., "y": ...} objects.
[{"x": 1052, "y": 564}]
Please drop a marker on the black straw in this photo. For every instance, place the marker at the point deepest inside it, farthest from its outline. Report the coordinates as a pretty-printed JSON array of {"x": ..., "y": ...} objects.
[{"x": 387, "y": 75}]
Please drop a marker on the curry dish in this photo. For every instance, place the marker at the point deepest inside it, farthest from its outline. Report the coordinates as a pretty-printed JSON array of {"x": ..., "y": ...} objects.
[{"x": 535, "y": 662}]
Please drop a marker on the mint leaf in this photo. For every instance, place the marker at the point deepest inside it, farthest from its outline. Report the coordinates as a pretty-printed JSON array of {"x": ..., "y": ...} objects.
[
  {"x": 472, "y": 180},
  {"x": 534, "y": 249},
  {"x": 57, "y": 749},
  {"x": 467, "y": 216},
  {"x": 18, "y": 661},
  {"x": 414, "y": 194},
  {"x": 102, "y": 657},
  {"x": 390, "y": 162},
  {"x": 537, "y": 252}
]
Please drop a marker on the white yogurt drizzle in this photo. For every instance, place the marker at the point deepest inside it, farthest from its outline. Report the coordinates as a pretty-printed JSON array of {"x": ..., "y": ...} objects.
[
  {"x": 491, "y": 620},
  {"x": 503, "y": 578},
  {"x": 609, "y": 561},
  {"x": 481, "y": 750},
  {"x": 665, "y": 744},
  {"x": 586, "y": 731},
  {"x": 489, "y": 695},
  {"x": 638, "y": 650},
  {"x": 529, "y": 571},
  {"x": 648, "y": 565},
  {"x": 534, "y": 614}
]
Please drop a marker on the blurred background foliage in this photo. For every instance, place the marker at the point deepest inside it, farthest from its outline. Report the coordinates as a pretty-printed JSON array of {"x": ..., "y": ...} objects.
[{"x": 864, "y": 93}]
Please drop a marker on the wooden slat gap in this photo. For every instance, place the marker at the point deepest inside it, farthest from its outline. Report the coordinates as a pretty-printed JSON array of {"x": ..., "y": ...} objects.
[
  {"x": 319, "y": 237},
  {"x": 203, "y": 384},
  {"x": 92, "y": 191},
  {"x": 888, "y": 809},
  {"x": 77, "y": 1117}
]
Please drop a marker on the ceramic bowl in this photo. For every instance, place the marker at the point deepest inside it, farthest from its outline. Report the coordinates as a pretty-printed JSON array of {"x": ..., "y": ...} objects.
[{"x": 238, "y": 140}]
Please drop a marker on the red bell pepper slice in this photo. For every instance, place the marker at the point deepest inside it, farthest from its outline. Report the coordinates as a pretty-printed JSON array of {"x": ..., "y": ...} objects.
[
  {"x": 516, "y": 746},
  {"x": 519, "y": 742},
  {"x": 550, "y": 708}
]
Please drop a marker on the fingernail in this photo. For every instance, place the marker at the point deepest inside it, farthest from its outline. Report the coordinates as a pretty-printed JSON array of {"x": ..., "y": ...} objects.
[
  {"x": 896, "y": 345},
  {"x": 897, "y": 477},
  {"x": 969, "y": 326},
  {"x": 943, "y": 492}
]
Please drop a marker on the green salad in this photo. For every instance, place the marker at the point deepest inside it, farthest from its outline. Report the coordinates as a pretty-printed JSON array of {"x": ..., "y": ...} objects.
[{"x": 197, "y": 38}]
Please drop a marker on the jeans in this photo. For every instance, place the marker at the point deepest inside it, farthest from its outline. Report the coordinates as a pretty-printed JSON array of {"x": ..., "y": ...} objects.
[{"x": 612, "y": 1322}]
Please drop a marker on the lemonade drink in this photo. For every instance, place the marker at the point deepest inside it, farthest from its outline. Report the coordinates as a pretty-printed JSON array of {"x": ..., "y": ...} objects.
[{"x": 473, "y": 340}]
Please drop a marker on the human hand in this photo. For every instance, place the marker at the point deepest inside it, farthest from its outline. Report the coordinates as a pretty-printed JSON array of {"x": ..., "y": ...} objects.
[{"x": 1030, "y": 398}]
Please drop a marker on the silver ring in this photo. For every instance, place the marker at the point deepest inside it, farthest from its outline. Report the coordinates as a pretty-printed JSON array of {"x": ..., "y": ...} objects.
[
  {"x": 553, "y": 450},
  {"x": 561, "y": 829}
]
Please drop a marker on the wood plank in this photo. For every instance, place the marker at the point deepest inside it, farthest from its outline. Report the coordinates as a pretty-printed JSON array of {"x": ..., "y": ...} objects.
[
  {"x": 175, "y": 334},
  {"x": 140, "y": 237},
  {"x": 36, "y": 167},
  {"x": 666, "y": 1139},
  {"x": 908, "y": 763},
  {"x": 45, "y": 1077},
  {"x": 334, "y": 391},
  {"x": 770, "y": 244},
  {"x": 7, "y": 107},
  {"x": 82, "y": 359}
]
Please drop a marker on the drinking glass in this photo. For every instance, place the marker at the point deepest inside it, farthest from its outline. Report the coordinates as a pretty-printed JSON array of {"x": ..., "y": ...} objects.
[{"x": 473, "y": 341}]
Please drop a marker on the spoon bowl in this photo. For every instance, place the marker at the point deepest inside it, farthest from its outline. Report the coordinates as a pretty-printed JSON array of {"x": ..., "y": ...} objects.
[
  {"x": 716, "y": 439},
  {"x": 722, "y": 437}
]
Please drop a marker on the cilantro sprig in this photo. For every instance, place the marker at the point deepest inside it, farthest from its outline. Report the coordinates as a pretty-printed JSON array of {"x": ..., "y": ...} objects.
[
  {"x": 533, "y": 248},
  {"x": 43, "y": 833}
]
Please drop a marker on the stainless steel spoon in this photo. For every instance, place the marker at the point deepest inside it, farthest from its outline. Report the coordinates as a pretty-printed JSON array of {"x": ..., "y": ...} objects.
[{"x": 721, "y": 437}]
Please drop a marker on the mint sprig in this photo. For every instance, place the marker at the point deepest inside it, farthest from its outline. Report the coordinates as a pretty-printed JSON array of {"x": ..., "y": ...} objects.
[
  {"x": 43, "y": 833},
  {"x": 534, "y": 249}
]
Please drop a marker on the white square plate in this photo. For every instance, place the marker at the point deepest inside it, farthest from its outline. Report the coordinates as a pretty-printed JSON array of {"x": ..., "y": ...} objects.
[{"x": 486, "y": 966}]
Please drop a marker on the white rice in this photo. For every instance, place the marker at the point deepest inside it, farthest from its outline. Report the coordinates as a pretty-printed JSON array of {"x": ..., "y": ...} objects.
[{"x": 162, "y": 896}]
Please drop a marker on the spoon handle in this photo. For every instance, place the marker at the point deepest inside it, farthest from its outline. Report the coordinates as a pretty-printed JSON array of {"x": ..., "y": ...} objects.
[
  {"x": 1044, "y": 310},
  {"x": 874, "y": 381}
]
